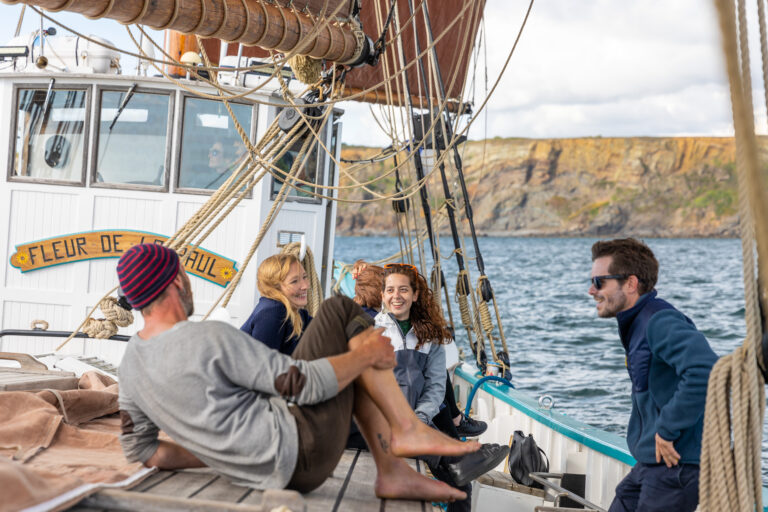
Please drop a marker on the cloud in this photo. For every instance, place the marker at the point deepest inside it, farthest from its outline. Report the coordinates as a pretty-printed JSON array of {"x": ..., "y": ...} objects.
[{"x": 613, "y": 68}]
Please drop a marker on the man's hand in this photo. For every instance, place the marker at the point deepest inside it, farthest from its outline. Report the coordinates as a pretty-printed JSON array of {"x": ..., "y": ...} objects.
[
  {"x": 375, "y": 348},
  {"x": 666, "y": 450}
]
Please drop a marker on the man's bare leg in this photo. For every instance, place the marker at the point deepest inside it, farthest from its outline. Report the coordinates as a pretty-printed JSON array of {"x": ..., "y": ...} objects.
[
  {"x": 395, "y": 478},
  {"x": 409, "y": 436}
]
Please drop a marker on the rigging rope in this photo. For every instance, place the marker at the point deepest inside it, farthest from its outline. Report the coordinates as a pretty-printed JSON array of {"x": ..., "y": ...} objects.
[
  {"x": 258, "y": 161},
  {"x": 732, "y": 438}
]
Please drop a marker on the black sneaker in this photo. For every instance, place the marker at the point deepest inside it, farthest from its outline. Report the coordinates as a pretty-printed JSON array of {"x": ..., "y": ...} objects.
[
  {"x": 470, "y": 427},
  {"x": 472, "y": 465}
]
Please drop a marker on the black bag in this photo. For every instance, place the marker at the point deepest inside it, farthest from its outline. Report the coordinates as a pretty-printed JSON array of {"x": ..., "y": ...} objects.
[{"x": 525, "y": 457}]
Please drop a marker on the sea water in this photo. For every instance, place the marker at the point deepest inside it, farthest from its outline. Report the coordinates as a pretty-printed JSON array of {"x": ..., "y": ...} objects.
[{"x": 557, "y": 344}]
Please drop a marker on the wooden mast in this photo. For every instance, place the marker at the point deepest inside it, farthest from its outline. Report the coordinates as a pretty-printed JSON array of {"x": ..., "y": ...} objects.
[{"x": 249, "y": 22}]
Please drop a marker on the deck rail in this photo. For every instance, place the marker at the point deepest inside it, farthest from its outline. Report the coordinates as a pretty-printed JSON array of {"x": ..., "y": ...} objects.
[{"x": 54, "y": 334}]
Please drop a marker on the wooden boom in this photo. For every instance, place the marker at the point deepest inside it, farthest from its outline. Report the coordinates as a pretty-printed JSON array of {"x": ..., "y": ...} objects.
[{"x": 250, "y": 22}]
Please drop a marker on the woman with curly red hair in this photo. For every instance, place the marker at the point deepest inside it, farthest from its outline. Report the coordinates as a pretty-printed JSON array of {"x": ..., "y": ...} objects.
[{"x": 413, "y": 321}]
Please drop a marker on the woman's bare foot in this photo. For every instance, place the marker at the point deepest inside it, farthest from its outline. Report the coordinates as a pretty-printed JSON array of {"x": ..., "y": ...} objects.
[
  {"x": 420, "y": 439},
  {"x": 400, "y": 481}
]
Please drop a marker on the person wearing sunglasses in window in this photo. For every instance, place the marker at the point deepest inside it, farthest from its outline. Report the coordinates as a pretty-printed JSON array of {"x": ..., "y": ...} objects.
[
  {"x": 669, "y": 362},
  {"x": 280, "y": 318},
  {"x": 413, "y": 321}
]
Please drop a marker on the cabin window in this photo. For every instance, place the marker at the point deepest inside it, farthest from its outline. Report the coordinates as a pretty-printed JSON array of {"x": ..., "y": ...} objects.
[
  {"x": 50, "y": 135},
  {"x": 132, "y": 141},
  {"x": 310, "y": 172},
  {"x": 211, "y": 148}
]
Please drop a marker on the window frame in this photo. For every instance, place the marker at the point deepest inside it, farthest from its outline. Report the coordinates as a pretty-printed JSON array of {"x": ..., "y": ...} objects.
[
  {"x": 183, "y": 96},
  {"x": 94, "y": 153},
  {"x": 17, "y": 87}
]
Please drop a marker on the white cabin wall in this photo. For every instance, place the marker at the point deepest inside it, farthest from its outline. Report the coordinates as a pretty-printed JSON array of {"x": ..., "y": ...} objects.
[{"x": 62, "y": 295}]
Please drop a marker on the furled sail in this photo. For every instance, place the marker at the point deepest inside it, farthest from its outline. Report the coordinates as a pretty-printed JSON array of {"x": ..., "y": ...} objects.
[
  {"x": 250, "y": 22},
  {"x": 330, "y": 30}
]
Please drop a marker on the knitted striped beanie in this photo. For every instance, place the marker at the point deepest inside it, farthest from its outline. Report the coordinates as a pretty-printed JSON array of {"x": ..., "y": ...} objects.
[{"x": 144, "y": 271}]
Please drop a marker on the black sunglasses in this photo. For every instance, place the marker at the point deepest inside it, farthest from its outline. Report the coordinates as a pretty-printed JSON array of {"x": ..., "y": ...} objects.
[{"x": 597, "y": 281}]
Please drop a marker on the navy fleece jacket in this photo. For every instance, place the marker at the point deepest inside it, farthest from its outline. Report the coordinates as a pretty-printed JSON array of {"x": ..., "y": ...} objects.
[
  {"x": 269, "y": 325},
  {"x": 669, "y": 362}
]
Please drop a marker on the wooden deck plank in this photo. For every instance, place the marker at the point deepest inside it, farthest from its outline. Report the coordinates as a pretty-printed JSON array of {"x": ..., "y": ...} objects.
[
  {"x": 152, "y": 481},
  {"x": 324, "y": 497},
  {"x": 359, "y": 493},
  {"x": 224, "y": 490},
  {"x": 182, "y": 484},
  {"x": 344, "y": 491}
]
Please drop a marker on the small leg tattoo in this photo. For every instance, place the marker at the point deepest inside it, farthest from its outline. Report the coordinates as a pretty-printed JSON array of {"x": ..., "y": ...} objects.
[{"x": 383, "y": 442}]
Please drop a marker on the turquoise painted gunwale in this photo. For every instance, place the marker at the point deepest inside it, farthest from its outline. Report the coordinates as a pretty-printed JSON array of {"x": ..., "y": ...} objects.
[{"x": 612, "y": 445}]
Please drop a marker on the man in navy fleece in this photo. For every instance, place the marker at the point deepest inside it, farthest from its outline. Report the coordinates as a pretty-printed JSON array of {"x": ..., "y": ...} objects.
[{"x": 669, "y": 362}]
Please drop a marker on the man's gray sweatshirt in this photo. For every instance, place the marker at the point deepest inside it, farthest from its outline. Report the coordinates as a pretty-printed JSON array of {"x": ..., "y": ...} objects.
[{"x": 221, "y": 395}]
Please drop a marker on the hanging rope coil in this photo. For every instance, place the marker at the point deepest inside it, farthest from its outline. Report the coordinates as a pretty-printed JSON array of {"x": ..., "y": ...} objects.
[
  {"x": 732, "y": 438},
  {"x": 116, "y": 316},
  {"x": 485, "y": 318}
]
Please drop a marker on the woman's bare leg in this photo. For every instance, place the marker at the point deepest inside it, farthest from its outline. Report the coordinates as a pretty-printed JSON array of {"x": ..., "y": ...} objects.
[
  {"x": 409, "y": 436},
  {"x": 395, "y": 478}
]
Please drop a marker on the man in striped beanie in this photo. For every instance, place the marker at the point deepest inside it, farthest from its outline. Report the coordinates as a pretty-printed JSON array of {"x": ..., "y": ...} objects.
[
  {"x": 254, "y": 415},
  {"x": 146, "y": 271}
]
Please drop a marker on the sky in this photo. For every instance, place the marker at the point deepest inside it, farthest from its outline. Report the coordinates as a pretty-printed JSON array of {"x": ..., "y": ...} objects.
[{"x": 581, "y": 69}]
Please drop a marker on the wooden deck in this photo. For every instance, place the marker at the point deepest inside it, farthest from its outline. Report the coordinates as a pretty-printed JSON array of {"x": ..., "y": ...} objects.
[{"x": 350, "y": 488}]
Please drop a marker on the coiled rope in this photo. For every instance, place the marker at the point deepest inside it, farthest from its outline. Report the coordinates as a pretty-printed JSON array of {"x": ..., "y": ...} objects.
[
  {"x": 116, "y": 316},
  {"x": 732, "y": 439}
]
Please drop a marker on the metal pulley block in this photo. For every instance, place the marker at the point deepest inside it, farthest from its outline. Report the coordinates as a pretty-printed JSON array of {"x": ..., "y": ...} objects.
[
  {"x": 401, "y": 205},
  {"x": 290, "y": 115}
]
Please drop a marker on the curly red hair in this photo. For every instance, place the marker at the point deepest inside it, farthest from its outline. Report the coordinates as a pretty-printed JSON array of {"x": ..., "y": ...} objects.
[{"x": 426, "y": 318}]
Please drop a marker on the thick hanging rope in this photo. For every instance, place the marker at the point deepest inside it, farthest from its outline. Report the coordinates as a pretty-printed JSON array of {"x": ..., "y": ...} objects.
[
  {"x": 315, "y": 292},
  {"x": 732, "y": 439}
]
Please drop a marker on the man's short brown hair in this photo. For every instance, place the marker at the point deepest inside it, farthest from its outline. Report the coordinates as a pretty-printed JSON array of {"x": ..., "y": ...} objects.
[{"x": 630, "y": 257}]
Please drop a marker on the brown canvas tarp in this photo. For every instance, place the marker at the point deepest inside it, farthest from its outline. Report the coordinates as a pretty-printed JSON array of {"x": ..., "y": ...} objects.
[{"x": 59, "y": 446}]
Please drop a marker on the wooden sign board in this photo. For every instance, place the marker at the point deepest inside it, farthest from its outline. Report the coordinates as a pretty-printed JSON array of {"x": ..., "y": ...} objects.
[{"x": 112, "y": 244}]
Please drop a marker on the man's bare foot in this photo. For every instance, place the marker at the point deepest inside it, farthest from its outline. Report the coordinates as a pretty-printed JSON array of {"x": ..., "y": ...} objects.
[
  {"x": 402, "y": 482},
  {"x": 419, "y": 439}
]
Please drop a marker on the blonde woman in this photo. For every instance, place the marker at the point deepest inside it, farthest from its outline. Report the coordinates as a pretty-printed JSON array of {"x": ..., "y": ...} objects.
[{"x": 279, "y": 318}]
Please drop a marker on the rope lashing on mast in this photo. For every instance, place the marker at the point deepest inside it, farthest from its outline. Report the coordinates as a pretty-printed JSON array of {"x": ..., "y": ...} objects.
[{"x": 731, "y": 478}]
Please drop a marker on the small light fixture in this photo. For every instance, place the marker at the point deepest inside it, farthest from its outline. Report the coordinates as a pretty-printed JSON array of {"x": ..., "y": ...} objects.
[{"x": 12, "y": 52}]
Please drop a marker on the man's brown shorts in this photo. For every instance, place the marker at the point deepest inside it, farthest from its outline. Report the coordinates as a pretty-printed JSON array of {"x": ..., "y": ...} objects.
[{"x": 323, "y": 428}]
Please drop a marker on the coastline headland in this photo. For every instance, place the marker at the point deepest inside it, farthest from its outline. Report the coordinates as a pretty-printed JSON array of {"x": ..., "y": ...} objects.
[{"x": 677, "y": 187}]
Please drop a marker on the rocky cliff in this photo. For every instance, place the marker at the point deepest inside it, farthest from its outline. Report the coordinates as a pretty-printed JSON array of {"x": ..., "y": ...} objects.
[{"x": 666, "y": 187}]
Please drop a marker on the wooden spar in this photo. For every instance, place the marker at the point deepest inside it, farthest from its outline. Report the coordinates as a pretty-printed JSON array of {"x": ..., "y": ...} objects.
[{"x": 250, "y": 22}]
